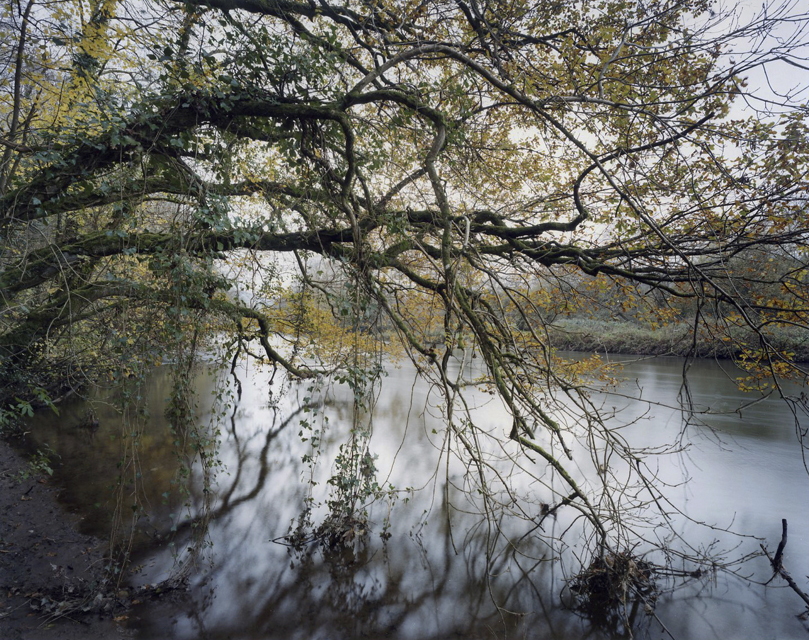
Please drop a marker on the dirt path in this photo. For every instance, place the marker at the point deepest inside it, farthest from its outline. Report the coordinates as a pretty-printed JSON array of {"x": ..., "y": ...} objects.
[{"x": 45, "y": 562}]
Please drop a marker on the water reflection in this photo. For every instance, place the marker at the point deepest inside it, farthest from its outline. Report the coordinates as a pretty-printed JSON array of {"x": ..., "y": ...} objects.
[
  {"x": 444, "y": 566},
  {"x": 94, "y": 441}
]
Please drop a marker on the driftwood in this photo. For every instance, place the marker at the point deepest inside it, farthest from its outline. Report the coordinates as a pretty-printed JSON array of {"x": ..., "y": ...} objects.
[{"x": 778, "y": 564}]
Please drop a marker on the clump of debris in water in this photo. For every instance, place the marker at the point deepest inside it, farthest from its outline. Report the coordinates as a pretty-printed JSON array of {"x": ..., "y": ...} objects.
[{"x": 614, "y": 588}]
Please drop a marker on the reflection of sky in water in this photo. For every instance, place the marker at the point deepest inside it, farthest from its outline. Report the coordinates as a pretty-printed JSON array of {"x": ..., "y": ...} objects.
[
  {"x": 430, "y": 581},
  {"x": 743, "y": 465}
]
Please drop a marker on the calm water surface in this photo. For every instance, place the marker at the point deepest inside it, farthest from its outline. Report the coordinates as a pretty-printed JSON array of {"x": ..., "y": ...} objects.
[{"x": 429, "y": 579}]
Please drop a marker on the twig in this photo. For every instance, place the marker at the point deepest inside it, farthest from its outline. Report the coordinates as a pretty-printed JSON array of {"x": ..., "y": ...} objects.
[
  {"x": 778, "y": 565},
  {"x": 779, "y": 552},
  {"x": 776, "y": 562}
]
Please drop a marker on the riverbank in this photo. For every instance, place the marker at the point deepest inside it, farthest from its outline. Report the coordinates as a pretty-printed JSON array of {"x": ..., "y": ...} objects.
[
  {"x": 46, "y": 565},
  {"x": 627, "y": 338}
]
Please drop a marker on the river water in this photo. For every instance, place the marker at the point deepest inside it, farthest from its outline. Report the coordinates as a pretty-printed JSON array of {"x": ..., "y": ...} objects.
[{"x": 429, "y": 577}]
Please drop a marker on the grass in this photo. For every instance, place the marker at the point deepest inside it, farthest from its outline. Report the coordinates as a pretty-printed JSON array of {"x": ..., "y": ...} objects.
[{"x": 612, "y": 336}]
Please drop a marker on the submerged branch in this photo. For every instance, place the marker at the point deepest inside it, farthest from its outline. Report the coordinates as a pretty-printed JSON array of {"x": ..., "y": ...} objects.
[{"x": 778, "y": 565}]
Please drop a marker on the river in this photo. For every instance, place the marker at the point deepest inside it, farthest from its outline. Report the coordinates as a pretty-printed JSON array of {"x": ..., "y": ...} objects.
[{"x": 435, "y": 573}]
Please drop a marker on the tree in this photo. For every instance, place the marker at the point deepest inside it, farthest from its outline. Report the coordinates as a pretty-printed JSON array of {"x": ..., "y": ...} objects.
[{"x": 444, "y": 156}]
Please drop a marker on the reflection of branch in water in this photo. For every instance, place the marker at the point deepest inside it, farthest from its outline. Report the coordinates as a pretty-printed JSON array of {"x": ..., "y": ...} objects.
[
  {"x": 226, "y": 504},
  {"x": 425, "y": 588},
  {"x": 345, "y": 596},
  {"x": 352, "y": 602}
]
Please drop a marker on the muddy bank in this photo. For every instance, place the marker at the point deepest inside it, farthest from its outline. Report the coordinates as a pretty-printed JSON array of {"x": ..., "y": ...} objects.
[{"x": 46, "y": 563}]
